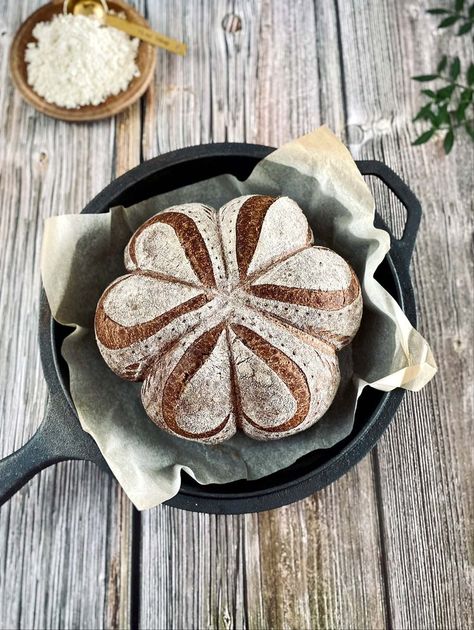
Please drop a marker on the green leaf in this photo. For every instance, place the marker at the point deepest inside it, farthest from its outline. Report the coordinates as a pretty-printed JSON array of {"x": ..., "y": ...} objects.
[
  {"x": 438, "y": 11},
  {"x": 443, "y": 115},
  {"x": 425, "y": 113},
  {"x": 465, "y": 28},
  {"x": 471, "y": 12},
  {"x": 470, "y": 74},
  {"x": 448, "y": 141},
  {"x": 424, "y": 137},
  {"x": 455, "y": 69},
  {"x": 449, "y": 21},
  {"x": 429, "y": 93},
  {"x": 425, "y": 78},
  {"x": 445, "y": 93},
  {"x": 442, "y": 64},
  {"x": 461, "y": 111},
  {"x": 467, "y": 95},
  {"x": 459, "y": 5}
]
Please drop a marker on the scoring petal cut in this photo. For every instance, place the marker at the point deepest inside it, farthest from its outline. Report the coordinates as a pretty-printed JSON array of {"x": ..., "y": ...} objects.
[
  {"x": 124, "y": 320},
  {"x": 191, "y": 254},
  {"x": 273, "y": 390},
  {"x": 139, "y": 315},
  {"x": 296, "y": 363},
  {"x": 190, "y": 394},
  {"x": 258, "y": 230},
  {"x": 301, "y": 291}
]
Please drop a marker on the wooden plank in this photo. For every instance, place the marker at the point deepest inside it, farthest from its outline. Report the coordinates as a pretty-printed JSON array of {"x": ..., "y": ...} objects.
[
  {"x": 64, "y": 550},
  {"x": 319, "y": 559},
  {"x": 425, "y": 459},
  {"x": 120, "y": 607},
  {"x": 257, "y": 72}
]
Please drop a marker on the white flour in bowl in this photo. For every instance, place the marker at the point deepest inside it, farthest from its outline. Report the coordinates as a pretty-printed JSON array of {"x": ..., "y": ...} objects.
[{"x": 76, "y": 61}]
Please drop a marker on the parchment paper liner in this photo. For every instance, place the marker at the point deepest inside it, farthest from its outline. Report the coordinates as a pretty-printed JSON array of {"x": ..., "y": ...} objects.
[{"x": 82, "y": 254}]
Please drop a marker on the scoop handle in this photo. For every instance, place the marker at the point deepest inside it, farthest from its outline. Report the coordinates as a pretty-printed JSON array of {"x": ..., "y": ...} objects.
[
  {"x": 146, "y": 34},
  {"x": 59, "y": 438},
  {"x": 406, "y": 243}
]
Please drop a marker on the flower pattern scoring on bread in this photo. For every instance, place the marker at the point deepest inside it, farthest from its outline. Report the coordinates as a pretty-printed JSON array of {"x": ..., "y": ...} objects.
[{"x": 232, "y": 318}]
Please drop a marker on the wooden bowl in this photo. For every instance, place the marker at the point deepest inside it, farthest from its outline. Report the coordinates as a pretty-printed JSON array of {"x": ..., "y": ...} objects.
[{"x": 146, "y": 58}]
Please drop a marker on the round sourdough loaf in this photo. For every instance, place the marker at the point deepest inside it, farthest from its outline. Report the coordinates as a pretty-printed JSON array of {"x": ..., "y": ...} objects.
[{"x": 232, "y": 319}]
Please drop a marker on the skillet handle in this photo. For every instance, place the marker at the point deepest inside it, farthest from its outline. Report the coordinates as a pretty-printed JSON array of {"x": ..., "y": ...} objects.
[
  {"x": 406, "y": 243},
  {"x": 59, "y": 438}
]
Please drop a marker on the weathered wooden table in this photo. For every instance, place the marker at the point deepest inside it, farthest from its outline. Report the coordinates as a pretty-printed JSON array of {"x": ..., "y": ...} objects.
[{"x": 385, "y": 546}]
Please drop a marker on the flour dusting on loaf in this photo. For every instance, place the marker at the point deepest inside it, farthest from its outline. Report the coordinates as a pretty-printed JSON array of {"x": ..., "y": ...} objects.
[{"x": 231, "y": 318}]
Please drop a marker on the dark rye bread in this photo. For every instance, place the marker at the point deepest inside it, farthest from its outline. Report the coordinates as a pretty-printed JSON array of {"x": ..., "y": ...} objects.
[{"x": 232, "y": 319}]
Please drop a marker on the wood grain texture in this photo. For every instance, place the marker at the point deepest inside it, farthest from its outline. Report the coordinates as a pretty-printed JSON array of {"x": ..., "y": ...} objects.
[
  {"x": 64, "y": 539},
  {"x": 387, "y": 545},
  {"x": 424, "y": 463},
  {"x": 314, "y": 564}
]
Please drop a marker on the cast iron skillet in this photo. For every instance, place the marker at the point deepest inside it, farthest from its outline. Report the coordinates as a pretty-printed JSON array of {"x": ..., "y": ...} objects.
[{"x": 60, "y": 436}]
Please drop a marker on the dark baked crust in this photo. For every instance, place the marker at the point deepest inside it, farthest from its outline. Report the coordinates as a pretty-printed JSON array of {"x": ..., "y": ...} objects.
[
  {"x": 327, "y": 300},
  {"x": 248, "y": 228}
]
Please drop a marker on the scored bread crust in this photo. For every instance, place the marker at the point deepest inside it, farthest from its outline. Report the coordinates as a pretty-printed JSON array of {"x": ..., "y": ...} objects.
[{"x": 232, "y": 318}]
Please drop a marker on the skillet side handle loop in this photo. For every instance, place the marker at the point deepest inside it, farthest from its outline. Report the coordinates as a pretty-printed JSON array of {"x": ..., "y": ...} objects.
[
  {"x": 58, "y": 439},
  {"x": 406, "y": 243}
]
